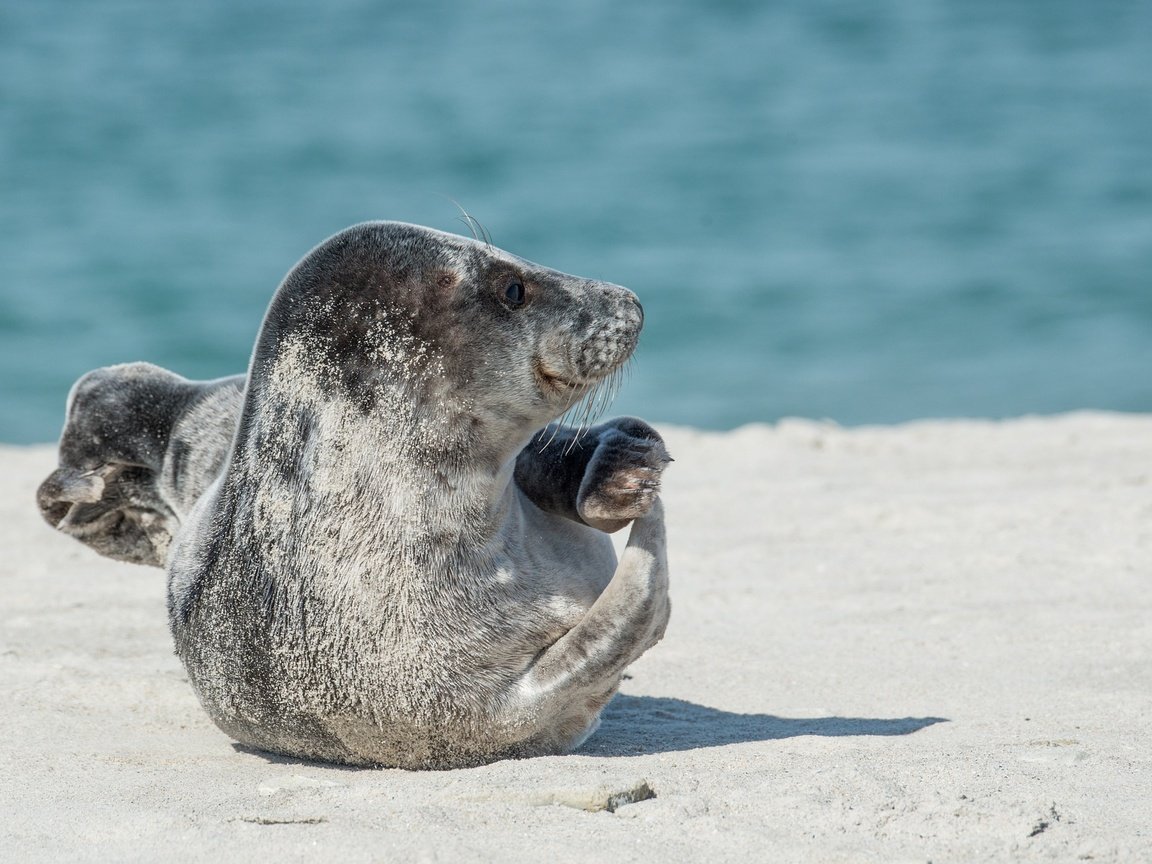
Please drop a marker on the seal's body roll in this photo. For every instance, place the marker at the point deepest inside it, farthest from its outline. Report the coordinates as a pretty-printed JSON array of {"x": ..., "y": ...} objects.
[{"x": 382, "y": 572}]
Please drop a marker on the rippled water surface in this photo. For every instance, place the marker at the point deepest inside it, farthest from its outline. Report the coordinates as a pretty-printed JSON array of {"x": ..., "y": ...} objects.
[{"x": 868, "y": 212}]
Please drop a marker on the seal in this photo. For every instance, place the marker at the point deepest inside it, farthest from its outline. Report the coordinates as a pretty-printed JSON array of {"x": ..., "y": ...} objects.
[{"x": 400, "y": 557}]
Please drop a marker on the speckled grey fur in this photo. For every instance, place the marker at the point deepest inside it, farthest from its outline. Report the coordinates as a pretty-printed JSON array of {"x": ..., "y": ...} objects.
[{"x": 383, "y": 572}]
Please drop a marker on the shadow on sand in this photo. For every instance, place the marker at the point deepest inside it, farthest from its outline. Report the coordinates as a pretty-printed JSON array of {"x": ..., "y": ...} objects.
[{"x": 640, "y": 725}]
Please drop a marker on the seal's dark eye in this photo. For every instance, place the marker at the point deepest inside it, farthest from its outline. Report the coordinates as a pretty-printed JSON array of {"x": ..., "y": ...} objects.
[{"x": 514, "y": 293}]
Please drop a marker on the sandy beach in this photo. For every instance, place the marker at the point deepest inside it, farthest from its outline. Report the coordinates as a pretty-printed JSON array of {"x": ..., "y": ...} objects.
[{"x": 929, "y": 642}]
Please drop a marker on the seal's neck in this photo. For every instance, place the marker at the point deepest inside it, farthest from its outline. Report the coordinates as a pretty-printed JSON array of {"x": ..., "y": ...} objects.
[{"x": 408, "y": 471}]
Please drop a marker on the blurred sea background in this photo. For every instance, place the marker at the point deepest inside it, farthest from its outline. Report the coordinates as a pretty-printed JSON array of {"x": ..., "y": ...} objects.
[{"x": 867, "y": 212}]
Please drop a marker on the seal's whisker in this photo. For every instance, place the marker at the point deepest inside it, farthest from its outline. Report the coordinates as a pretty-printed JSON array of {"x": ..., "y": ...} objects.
[
  {"x": 473, "y": 224},
  {"x": 557, "y": 425},
  {"x": 471, "y": 227},
  {"x": 596, "y": 403},
  {"x": 464, "y": 217},
  {"x": 484, "y": 233},
  {"x": 555, "y": 428},
  {"x": 559, "y": 422},
  {"x": 608, "y": 392},
  {"x": 581, "y": 412}
]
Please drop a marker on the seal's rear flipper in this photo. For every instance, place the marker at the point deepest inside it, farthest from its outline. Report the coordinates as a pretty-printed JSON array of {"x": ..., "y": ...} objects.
[
  {"x": 65, "y": 487},
  {"x": 113, "y": 509},
  {"x": 140, "y": 445}
]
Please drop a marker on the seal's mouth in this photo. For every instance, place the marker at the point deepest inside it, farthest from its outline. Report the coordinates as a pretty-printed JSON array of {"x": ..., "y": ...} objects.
[
  {"x": 578, "y": 400},
  {"x": 556, "y": 384}
]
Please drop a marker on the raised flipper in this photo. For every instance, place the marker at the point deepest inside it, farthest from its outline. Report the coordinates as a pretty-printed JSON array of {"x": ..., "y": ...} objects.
[{"x": 603, "y": 477}]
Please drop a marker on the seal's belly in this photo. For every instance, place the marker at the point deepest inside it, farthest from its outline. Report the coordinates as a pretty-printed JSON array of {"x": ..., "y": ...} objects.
[
  {"x": 323, "y": 684},
  {"x": 320, "y": 714},
  {"x": 411, "y": 670}
]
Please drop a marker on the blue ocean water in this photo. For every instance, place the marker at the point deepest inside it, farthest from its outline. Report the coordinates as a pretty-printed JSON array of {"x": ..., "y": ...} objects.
[{"x": 864, "y": 211}]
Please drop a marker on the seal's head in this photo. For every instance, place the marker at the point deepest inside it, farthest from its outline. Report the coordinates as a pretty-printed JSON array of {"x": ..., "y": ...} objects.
[{"x": 463, "y": 342}]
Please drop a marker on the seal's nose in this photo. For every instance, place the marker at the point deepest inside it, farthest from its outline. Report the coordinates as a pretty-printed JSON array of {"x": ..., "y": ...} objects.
[
  {"x": 623, "y": 305},
  {"x": 639, "y": 310},
  {"x": 630, "y": 298}
]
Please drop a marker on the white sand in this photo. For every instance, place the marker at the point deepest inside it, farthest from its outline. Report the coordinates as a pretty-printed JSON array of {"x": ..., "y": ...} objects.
[{"x": 923, "y": 643}]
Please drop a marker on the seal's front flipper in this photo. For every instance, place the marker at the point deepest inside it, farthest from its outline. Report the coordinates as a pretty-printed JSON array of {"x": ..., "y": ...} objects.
[
  {"x": 604, "y": 477},
  {"x": 623, "y": 477}
]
